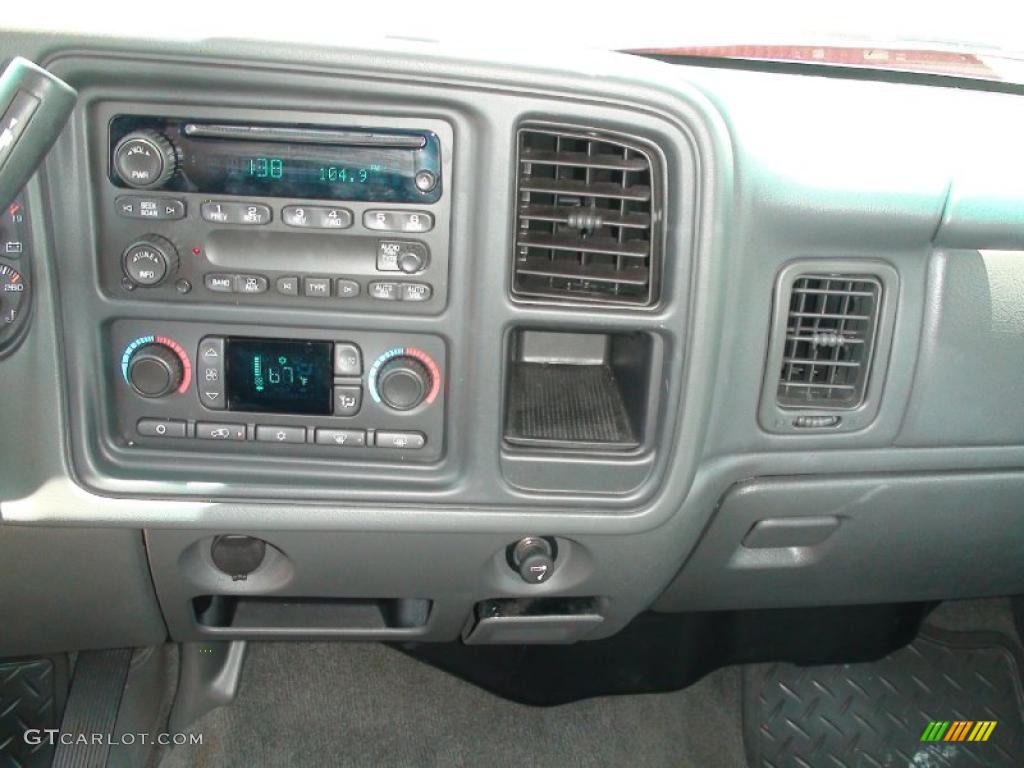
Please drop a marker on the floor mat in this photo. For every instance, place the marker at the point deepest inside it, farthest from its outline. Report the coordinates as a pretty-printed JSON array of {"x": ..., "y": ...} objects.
[
  {"x": 881, "y": 713},
  {"x": 321, "y": 704},
  {"x": 27, "y": 701}
]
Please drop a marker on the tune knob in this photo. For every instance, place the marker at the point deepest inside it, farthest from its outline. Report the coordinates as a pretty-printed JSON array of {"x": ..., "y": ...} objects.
[
  {"x": 150, "y": 261},
  {"x": 403, "y": 383},
  {"x": 155, "y": 370},
  {"x": 145, "y": 159}
]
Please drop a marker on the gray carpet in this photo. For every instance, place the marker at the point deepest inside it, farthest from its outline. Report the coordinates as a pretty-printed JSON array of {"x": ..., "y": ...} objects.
[{"x": 367, "y": 705}]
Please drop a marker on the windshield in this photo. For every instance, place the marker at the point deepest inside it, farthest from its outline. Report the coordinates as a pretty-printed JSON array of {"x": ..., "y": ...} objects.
[
  {"x": 526, "y": 24},
  {"x": 978, "y": 39}
]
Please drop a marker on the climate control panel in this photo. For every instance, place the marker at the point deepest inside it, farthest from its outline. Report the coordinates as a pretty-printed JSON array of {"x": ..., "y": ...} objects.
[{"x": 359, "y": 395}]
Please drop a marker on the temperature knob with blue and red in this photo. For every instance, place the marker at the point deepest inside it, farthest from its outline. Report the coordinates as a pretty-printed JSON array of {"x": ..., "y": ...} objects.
[
  {"x": 403, "y": 378},
  {"x": 155, "y": 366}
]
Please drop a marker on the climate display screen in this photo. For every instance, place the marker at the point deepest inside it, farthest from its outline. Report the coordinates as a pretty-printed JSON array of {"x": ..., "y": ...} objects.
[{"x": 274, "y": 376}]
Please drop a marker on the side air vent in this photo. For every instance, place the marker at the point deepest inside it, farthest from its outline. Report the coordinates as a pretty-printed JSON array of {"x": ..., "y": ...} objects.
[
  {"x": 831, "y": 334},
  {"x": 588, "y": 219}
]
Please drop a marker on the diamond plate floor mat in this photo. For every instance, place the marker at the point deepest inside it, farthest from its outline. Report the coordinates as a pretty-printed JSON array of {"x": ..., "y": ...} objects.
[
  {"x": 929, "y": 705},
  {"x": 26, "y": 701}
]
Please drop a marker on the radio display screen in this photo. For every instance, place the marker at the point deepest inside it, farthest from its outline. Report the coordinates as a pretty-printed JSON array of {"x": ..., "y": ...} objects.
[
  {"x": 274, "y": 376},
  {"x": 299, "y": 170},
  {"x": 377, "y": 165}
]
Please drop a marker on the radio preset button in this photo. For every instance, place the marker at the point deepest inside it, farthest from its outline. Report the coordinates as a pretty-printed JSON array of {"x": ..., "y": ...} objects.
[
  {"x": 384, "y": 291},
  {"x": 236, "y": 213},
  {"x": 401, "y": 440},
  {"x": 415, "y": 291},
  {"x": 250, "y": 284},
  {"x": 161, "y": 209},
  {"x": 347, "y": 289},
  {"x": 219, "y": 283},
  {"x": 215, "y": 212},
  {"x": 161, "y": 428},
  {"x": 347, "y": 400},
  {"x": 317, "y": 287},
  {"x": 333, "y": 218},
  {"x": 288, "y": 286},
  {"x": 296, "y": 216},
  {"x": 216, "y": 431},
  {"x": 342, "y": 438},
  {"x": 348, "y": 359},
  {"x": 316, "y": 217},
  {"x": 398, "y": 221},
  {"x": 271, "y": 434}
]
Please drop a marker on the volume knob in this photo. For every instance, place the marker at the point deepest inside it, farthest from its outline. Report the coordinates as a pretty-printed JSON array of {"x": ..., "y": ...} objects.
[
  {"x": 155, "y": 370},
  {"x": 145, "y": 159}
]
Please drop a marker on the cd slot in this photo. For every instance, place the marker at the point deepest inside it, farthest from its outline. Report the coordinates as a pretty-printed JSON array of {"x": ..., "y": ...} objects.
[{"x": 343, "y": 138}]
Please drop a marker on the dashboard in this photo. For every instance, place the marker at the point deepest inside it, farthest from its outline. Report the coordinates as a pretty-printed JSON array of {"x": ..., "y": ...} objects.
[{"x": 384, "y": 345}]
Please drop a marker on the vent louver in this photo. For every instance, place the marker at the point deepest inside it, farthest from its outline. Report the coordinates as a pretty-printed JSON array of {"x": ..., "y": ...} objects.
[
  {"x": 830, "y": 335},
  {"x": 587, "y": 222}
]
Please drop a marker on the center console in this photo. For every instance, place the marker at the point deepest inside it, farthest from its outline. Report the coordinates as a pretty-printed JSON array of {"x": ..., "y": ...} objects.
[
  {"x": 290, "y": 211},
  {"x": 283, "y": 286}
]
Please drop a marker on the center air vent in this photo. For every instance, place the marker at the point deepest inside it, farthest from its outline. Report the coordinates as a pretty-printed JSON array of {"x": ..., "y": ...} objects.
[
  {"x": 829, "y": 334},
  {"x": 588, "y": 222}
]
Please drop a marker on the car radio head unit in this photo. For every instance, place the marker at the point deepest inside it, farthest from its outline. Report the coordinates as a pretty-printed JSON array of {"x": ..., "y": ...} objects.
[
  {"x": 340, "y": 212},
  {"x": 263, "y": 160}
]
